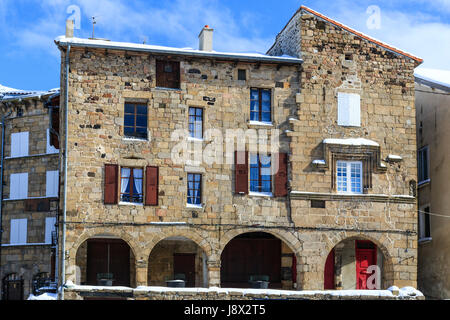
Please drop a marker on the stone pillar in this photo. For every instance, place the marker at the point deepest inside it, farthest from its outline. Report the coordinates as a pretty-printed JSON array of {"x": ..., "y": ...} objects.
[
  {"x": 141, "y": 272},
  {"x": 213, "y": 273}
]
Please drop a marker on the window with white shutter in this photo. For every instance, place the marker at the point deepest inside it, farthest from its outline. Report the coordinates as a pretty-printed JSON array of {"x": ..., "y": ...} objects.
[
  {"x": 18, "y": 234},
  {"x": 49, "y": 228},
  {"x": 349, "y": 109},
  {"x": 19, "y": 144},
  {"x": 18, "y": 186},
  {"x": 52, "y": 184},
  {"x": 50, "y": 148}
]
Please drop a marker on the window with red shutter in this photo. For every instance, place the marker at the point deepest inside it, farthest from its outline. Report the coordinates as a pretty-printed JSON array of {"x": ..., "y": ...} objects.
[
  {"x": 111, "y": 183},
  {"x": 280, "y": 179},
  {"x": 151, "y": 186},
  {"x": 241, "y": 172}
]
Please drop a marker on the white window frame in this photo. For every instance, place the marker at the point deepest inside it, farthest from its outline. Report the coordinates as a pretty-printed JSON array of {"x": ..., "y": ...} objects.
[
  {"x": 421, "y": 226},
  {"x": 349, "y": 109},
  {"x": 19, "y": 144},
  {"x": 348, "y": 180},
  {"x": 49, "y": 228},
  {"x": 420, "y": 163},
  {"x": 52, "y": 184},
  {"x": 18, "y": 232},
  {"x": 18, "y": 186},
  {"x": 50, "y": 149}
]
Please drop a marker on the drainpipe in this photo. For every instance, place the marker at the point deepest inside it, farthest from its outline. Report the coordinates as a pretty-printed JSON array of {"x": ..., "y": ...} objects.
[
  {"x": 4, "y": 117},
  {"x": 66, "y": 119}
]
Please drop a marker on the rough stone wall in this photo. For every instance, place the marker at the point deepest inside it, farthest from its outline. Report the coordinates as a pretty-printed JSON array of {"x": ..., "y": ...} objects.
[
  {"x": 385, "y": 82},
  {"x": 27, "y": 260}
]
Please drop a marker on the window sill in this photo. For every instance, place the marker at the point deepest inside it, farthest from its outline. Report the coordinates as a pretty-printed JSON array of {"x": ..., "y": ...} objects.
[
  {"x": 423, "y": 183},
  {"x": 194, "y": 206},
  {"x": 30, "y": 198},
  {"x": 195, "y": 139},
  {"x": 130, "y": 204},
  {"x": 134, "y": 139},
  {"x": 425, "y": 240},
  {"x": 260, "y": 194},
  {"x": 25, "y": 244},
  {"x": 169, "y": 89},
  {"x": 260, "y": 123},
  {"x": 32, "y": 155}
]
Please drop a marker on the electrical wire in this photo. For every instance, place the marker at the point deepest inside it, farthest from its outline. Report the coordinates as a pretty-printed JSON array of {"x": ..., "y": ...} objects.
[{"x": 435, "y": 214}]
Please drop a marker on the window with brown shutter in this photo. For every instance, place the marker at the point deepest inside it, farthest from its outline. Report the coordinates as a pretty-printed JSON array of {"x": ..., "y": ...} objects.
[
  {"x": 151, "y": 186},
  {"x": 280, "y": 179},
  {"x": 168, "y": 74},
  {"x": 241, "y": 172},
  {"x": 111, "y": 183}
]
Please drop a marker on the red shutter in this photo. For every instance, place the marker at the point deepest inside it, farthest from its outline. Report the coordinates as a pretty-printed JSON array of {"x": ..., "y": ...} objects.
[
  {"x": 151, "y": 186},
  {"x": 111, "y": 183},
  {"x": 55, "y": 126},
  {"x": 241, "y": 172},
  {"x": 280, "y": 179}
]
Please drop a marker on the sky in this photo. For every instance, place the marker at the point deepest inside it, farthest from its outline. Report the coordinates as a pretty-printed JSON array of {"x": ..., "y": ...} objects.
[{"x": 30, "y": 60}]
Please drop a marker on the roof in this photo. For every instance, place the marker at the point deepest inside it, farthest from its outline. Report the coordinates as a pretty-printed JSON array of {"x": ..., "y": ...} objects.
[
  {"x": 10, "y": 94},
  {"x": 359, "y": 34},
  {"x": 127, "y": 46},
  {"x": 433, "y": 77}
]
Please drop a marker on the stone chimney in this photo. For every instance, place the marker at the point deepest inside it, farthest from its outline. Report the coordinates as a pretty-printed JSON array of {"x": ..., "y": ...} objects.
[
  {"x": 206, "y": 39},
  {"x": 69, "y": 28}
]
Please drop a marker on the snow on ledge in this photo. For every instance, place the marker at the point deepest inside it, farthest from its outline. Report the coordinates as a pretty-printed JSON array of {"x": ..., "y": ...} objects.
[
  {"x": 352, "y": 142},
  {"x": 44, "y": 296},
  {"x": 322, "y": 162}
]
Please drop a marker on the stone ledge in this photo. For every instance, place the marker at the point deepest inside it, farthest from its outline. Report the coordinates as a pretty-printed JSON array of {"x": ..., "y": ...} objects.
[{"x": 300, "y": 195}]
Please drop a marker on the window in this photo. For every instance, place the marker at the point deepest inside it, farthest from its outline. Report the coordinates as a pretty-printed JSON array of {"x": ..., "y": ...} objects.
[
  {"x": 52, "y": 183},
  {"x": 242, "y": 75},
  {"x": 424, "y": 224},
  {"x": 50, "y": 148},
  {"x": 19, "y": 144},
  {"x": 196, "y": 122},
  {"x": 194, "y": 189},
  {"x": 131, "y": 185},
  {"x": 260, "y": 105},
  {"x": 168, "y": 74},
  {"x": 349, "y": 109},
  {"x": 49, "y": 228},
  {"x": 349, "y": 176},
  {"x": 423, "y": 165},
  {"x": 18, "y": 187},
  {"x": 18, "y": 234},
  {"x": 135, "y": 121},
  {"x": 260, "y": 173}
]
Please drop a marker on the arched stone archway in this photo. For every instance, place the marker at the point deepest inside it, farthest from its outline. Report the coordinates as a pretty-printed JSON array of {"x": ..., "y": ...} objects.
[
  {"x": 252, "y": 255},
  {"x": 347, "y": 253}
]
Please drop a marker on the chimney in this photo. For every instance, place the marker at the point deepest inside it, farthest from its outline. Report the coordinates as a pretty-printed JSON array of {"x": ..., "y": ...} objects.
[
  {"x": 69, "y": 28},
  {"x": 206, "y": 39}
]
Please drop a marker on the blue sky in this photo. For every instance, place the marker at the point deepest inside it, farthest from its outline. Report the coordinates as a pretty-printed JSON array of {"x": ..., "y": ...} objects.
[{"x": 30, "y": 60}]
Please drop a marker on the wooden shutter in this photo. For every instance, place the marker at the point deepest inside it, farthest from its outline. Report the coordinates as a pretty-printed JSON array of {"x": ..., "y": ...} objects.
[
  {"x": 151, "y": 186},
  {"x": 111, "y": 183},
  {"x": 280, "y": 179},
  {"x": 55, "y": 125},
  {"x": 168, "y": 79},
  {"x": 241, "y": 172}
]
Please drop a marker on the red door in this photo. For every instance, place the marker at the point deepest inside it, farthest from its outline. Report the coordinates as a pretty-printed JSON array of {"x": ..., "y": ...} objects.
[
  {"x": 329, "y": 272},
  {"x": 366, "y": 255}
]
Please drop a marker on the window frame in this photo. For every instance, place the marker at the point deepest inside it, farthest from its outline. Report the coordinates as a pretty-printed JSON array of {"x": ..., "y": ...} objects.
[
  {"x": 131, "y": 179},
  {"x": 259, "y": 166},
  {"x": 135, "y": 114},
  {"x": 260, "y": 111},
  {"x": 200, "y": 190},
  {"x": 348, "y": 179},
  {"x": 420, "y": 165},
  {"x": 192, "y": 134},
  {"x": 424, "y": 223}
]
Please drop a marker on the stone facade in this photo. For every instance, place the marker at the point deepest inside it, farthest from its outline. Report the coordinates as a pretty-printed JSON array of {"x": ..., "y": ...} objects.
[
  {"x": 304, "y": 109},
  {"x": 36, "y": 256}
]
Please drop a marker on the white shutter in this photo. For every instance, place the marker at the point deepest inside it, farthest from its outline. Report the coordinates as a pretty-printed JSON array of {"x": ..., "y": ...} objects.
[
  {"x": 23, "y": 185},
  {"x": 19, "y": 144},
  {"x": 50, "y": 148},
  {"x": 18, "y": 186},
  {"x": 18, "y": 231},
  {"x": 49, "y": 227},
  {"x": 349, "y": 109},
  {"x": 52, "y": 184}
]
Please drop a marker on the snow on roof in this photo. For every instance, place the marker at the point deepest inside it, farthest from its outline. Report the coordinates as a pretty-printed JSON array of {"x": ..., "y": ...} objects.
[
  {"x": 98, "y": 43},
  {"x": 360, "y": 34},
  {"x": 440, "y": 77},
  {"x": 44, "y": 296},
  {"x": 7, "y": 93},
  {"x": 352, "y": 142}
]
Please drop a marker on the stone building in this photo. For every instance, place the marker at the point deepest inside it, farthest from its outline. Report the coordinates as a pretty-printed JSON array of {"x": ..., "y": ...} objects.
[
  {"x": 29, "y": 197},
  {"x": 432, "y": 102},
  {"x": 332, "y": 204}
]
